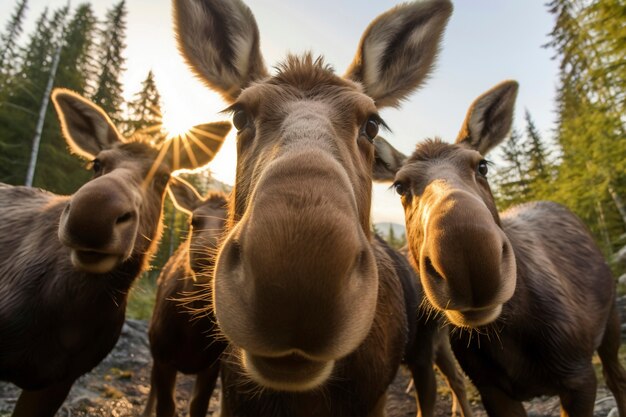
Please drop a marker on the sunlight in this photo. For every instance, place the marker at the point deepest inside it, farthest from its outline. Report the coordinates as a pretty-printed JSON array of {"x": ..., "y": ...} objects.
[{"x": 176, "y": 123}]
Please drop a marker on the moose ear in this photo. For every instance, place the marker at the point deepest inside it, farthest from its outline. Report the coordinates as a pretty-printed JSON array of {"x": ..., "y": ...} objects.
[
  {"x": 86, "y": 127},
  {"x": 197, "y": 147},
  {"x": 219, "y": 39},
  {"x": 398, "y": 49},
  {"x": 183, "y": 195},
  {"x": 489, "y": 118},
  {"x": 388, "y": 160}
]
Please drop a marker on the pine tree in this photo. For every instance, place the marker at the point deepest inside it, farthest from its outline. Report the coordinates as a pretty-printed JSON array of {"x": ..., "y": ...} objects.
[
  {"x": 588, "y": 39},
  {"x": 77, "y": 68},
  {"x": 8, "y": 42},
  {"x": 108, "y": 94},
  {"x": 145, "y": 111},
  {"x": 510, "y": 179},
  {"x": 18, "y": 113},
  {"x": 57, "y": 169},
  {"x": 539, "y": 170}
]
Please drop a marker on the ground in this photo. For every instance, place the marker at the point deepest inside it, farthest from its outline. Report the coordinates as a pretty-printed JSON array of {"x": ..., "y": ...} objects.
[{"x": 119, "y": 387}]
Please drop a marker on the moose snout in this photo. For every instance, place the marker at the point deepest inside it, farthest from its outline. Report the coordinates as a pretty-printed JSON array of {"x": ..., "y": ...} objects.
[
  {"x": 466, "y": 263},
  {"x": 99, "y": 225}
]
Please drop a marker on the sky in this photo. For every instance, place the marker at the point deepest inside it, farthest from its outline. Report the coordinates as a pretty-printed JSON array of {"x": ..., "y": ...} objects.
[{"x": 486, "y": 41}]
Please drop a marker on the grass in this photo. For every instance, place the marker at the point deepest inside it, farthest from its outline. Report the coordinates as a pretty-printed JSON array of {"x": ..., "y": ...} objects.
[{"x": 141, "y": 298}]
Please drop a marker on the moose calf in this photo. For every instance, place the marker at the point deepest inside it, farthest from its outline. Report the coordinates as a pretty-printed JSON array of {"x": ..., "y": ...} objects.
[{"x": 181, "y": 340}]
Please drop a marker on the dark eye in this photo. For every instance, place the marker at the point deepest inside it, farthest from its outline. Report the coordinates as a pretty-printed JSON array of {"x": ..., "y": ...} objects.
[
  {"x": 482, "y": 168},
  {"x": 163, "y": 179},
  {"x": 240, "y": 120},
  {"x": 371, "y": 128},
  {"x": 400, "y": 188},
  {"x": 195, "y": 222},
  {"x": 96, "y": 166}
]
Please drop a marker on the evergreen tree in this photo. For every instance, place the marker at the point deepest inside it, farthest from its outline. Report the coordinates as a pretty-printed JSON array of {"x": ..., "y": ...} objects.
[
  {"x": 539, "y": 170},
  {"x": 145, "y": 112},
  {"x": 57, "y": 169},
  {"x": 19, "y": 112},
  {"x": 108, "y": 94},
  {"x": 510, "y": 179},
  {"x": 8, "y": 42},
  {"x": 588, "y": 39},
  {"x": 77, "y": 68}
]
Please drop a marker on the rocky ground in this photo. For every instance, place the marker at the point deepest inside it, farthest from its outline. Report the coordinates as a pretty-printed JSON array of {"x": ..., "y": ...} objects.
[{"x": 119, "y": 386}]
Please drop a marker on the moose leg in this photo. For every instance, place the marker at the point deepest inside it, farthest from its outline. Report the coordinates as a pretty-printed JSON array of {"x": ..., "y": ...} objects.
[
  {"x": 163, "y": 384},
  {"x": 614, "y": 372},
  {"x": 579, "y": 397},
  {"x": 151, "y": 403},
  {"x": 498, "y": 404},
  {"x": 202, "y": 390},
  {"x": 42, "y": 403},
  {"x": 446, "y": 363},
  {"x": 425, "y": 386}
]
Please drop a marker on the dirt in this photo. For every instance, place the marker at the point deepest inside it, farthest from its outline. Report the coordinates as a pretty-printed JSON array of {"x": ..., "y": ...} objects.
[{"x": 119, "y": 386}]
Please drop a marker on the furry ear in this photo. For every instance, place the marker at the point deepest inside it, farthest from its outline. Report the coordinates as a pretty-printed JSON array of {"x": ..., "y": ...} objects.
[
  {"x": 489, "y": 118},
  {"x": 388, "y": 160},
  {"x": 183, "y": 195},
  {"x": 219, "y": 39},
  {"x": 86, "y": 127},
  {"x": 398, "y": 49},
  {"x": 197, "y": 147}
]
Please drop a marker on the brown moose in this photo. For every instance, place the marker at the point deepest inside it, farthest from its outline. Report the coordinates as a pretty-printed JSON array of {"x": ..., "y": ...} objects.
[
  {"x": 68, "y": 262},
  {"x": 180, "y": 339},
  {"x": 531, "y": 280},
  {"x": 311, "y": 304}
]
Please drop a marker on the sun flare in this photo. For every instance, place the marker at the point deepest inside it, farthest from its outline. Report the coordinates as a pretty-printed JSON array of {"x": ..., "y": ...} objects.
[{"x": 176, "y": 123}]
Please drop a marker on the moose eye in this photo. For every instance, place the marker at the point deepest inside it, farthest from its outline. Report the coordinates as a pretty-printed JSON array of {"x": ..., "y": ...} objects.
[
  {"x": 240, "y": 120},
  {"x": 162, "y": 179},
  {"x": 400, "y": 188},
  {"x": 371, "y": 128},
  {"x": 96, "y": 166},
  {"x": 482, "y": 168}
]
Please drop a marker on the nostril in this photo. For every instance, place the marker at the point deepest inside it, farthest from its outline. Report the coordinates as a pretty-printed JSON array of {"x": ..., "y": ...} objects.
[
  {"x": 430, "y": 268},
  {"x": 124, "y": 218},
  {"x": 234, "y": 254}
]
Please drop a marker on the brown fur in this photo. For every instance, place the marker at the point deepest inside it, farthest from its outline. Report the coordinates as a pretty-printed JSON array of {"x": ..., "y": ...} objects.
[
  {"x": 563, "y": 305},
  {"x": 181, "y": 338},
  {"x": 312, "y": 306},
  {"x": 67, "y": 262}
]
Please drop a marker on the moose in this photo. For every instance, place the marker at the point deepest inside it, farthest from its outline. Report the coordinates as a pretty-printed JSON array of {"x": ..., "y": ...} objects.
[
  {"x": 530, "y": 281},
  {"x": 180, "y": 340},
  {"x": 68, "y": 262},
  {"x": 311, "y": 304}
]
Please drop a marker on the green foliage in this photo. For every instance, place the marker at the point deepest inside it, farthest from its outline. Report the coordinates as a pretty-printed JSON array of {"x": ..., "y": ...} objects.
[
  {"x": 141, "y": 298},
  {"x": 144, "y": 112},
  {"x": 8, "y": 42},
  {"x": 589, "y": 40},
  {"x": 21, "y": 101},
  {"x": 77, "y": 67},
  {"x": 108, "y": 94},
  {"x": 510, "y": 182}
]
